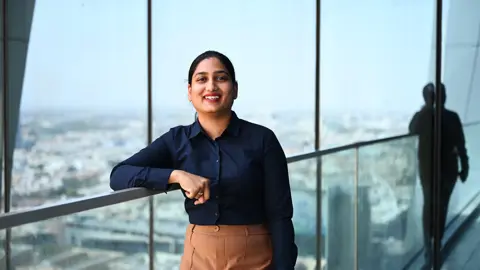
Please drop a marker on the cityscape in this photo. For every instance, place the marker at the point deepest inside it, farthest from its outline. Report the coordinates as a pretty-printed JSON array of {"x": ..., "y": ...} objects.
[{"x": 66, "y": 155}]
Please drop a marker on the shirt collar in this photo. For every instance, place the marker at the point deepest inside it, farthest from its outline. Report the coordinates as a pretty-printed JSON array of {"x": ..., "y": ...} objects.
[{"x": 233, "y": 127}]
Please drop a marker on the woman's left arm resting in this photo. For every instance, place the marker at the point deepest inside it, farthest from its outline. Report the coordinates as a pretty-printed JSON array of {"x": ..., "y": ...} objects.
[{"x": 278, "y": 203}]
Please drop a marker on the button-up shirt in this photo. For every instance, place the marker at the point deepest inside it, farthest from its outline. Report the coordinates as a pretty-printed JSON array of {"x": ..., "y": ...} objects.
[{"x": 247, "y": 172}]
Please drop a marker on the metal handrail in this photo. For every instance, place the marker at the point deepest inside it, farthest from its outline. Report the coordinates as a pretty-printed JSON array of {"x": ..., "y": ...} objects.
[{"x": 72, "y": 206}]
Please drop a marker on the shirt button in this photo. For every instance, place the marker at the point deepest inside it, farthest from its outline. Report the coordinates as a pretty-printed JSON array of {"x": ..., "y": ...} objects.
[
  {"x": 216, "y": 197},
  {"x": 217, "y": 160},
  {"x": 216, "y": 214},
  {"x": 216, "y": 229}
]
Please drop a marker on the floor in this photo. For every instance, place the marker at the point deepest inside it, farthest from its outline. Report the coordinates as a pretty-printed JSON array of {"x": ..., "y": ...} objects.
[{"x": 466, "y": 253}]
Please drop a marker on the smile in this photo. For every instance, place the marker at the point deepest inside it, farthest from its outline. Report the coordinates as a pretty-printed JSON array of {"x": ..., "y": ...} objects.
[{"x": 212, "y": 97}]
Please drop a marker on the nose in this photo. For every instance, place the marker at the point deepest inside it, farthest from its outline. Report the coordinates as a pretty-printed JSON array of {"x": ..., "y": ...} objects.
[{"x": 211, "y": 86}]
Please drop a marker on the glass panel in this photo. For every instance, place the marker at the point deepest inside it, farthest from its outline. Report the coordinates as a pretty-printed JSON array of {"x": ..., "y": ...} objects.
[
  {"x": 170, "y": 225},
  {"x": 465, "y": 192},
  {"x": 463, "y": 201},
  {"x": 461, "y": 76},
  {"x": 389, "y": 200},
  {"x": 472, "y": 112},
  {"x": 84, "y": 98},
  {"x": 260, "y": 48},
  {"x": 303, "y": 183},
  {"x": 2, "y": 250},
  {"x": 114, "y": 237},
  {"x": 373, "y": 44},
  {"x": 338, "y": 204}
]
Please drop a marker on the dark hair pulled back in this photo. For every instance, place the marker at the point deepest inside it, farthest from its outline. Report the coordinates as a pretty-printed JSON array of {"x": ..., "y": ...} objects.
[{"x": 212, "y": 54}]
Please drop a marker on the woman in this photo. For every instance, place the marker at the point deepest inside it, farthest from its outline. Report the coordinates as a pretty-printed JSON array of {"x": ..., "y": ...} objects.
[{"x": 233, "y": 174}]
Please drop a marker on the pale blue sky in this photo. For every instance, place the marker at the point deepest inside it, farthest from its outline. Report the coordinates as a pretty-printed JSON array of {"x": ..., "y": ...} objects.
[{"x": 92, "y": 54}]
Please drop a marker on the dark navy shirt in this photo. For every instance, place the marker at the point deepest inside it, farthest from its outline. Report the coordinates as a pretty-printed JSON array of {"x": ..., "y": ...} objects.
[{"x": 248, "y": 175}]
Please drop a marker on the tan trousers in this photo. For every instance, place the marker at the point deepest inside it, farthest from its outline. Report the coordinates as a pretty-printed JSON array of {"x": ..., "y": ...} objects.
[{"x": 227, "y": 247}]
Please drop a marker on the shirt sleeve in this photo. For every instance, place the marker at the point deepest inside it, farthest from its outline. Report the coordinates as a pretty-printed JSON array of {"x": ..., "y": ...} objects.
[
  {"x": 149, "y": 168},
  {"x": 279, "y": 206}
]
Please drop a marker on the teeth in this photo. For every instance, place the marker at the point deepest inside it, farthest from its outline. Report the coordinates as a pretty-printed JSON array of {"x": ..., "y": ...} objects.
[{"x": 212, "y": 97}]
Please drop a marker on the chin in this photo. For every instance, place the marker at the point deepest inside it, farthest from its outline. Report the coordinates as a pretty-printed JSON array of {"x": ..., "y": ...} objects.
[{"x": 214, "y": 110}]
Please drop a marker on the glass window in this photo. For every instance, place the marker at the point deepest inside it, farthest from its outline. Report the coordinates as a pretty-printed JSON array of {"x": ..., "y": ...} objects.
[
  {"x": 83, "y": 98},
  {"x": 460, "y": 169},
  {"x": 272, "y": 47},
  {"x": 375, "y": 60},
  {"x": 462, "y": 58}
]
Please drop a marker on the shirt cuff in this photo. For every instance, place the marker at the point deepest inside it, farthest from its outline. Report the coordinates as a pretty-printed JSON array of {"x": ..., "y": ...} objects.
[{"x": 158, "y": 178}]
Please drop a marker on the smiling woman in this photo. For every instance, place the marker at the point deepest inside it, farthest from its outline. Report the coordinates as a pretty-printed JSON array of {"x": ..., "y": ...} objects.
[
  {"x": 233, "y": 175},
  {"x": 212, "y": 87}
]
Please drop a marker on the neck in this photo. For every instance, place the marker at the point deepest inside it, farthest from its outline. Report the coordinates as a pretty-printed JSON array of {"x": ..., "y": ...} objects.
[{"x": 214, "y": 124}]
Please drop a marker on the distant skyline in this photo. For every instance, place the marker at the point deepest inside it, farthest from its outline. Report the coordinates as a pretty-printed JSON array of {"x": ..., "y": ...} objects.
[{"x": 375, "y": 55}]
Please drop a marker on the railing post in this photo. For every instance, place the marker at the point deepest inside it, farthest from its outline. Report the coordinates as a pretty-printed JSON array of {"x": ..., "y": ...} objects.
[
  {"x": 151, "y": 208},
  {"x": 319, "y": 239},
  {"x": 6, "y": 146},
  {"x": 317, "y": 125},
  {"x": 437, "y": 138},
  {"x": 355, "y": 211}
]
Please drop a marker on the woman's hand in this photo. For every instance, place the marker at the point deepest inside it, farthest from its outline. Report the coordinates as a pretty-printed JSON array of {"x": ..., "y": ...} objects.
[{"x": 195, "y": 187}]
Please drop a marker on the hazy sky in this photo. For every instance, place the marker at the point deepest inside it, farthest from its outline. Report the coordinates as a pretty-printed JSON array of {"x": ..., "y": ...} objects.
[{"x": 375, "y": 54}]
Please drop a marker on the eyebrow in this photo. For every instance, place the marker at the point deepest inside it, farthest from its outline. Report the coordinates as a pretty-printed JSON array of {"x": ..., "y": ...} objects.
[{"x": 216, "y": 72}]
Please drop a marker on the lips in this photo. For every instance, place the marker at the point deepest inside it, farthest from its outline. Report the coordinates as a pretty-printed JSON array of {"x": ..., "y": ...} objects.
[{"x": 212, "y": 97}]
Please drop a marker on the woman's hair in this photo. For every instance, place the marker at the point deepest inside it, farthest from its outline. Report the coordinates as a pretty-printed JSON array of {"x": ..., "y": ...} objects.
[{"x": 212, "y": 54}]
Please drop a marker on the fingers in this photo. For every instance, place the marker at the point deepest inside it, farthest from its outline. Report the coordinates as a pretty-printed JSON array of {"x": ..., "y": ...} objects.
[
  {"x": 193, "y": 193},
  {"x": 204, "y": 194},
  {"x": 206, "y": 189},
  {"x": 200, "y": 193},
  {"x": 200, "y": 198}
]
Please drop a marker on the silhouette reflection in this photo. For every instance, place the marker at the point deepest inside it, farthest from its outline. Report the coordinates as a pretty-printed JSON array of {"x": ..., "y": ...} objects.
[{"x": 452, "y": 150}]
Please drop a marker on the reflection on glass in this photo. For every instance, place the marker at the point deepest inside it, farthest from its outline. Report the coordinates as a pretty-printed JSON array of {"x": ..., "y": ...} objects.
[
  {"x": 465, "y": 192},
  {"x": 454, "y": 163},
  {"x": 460, "y": 208},
  {"x": 83, "y": 99},
  {"x": 389, "y": 204},
  {"x": 338, "y": 210},
  {"x": 113, "y": 237}
]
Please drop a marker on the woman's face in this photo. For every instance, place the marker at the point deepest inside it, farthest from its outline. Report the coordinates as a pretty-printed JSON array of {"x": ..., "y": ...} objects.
[{"x": 212, "y": 89}]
